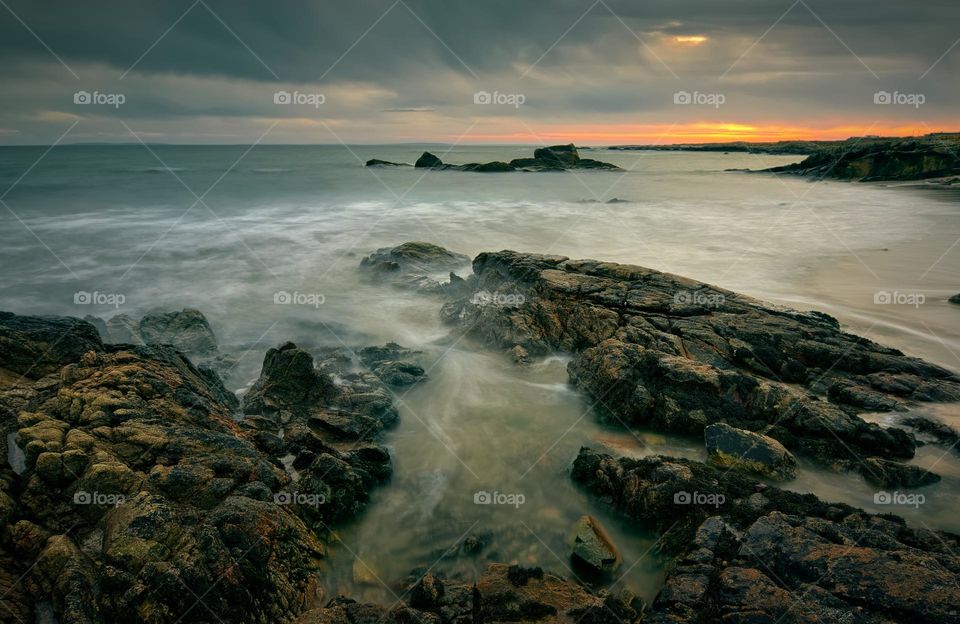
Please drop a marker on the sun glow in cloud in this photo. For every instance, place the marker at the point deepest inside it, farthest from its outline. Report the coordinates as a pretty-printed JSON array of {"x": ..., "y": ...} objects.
[{"x": 689, "y": 40}]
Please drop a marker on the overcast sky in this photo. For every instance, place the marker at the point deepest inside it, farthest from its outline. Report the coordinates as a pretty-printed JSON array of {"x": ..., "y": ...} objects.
[{"x": 371, "y": 71}]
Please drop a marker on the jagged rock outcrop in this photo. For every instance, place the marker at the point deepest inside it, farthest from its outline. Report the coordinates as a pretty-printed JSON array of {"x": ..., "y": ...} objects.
[
  {"x": 745, "y": 552},
  {"x": 896, "y": 159},
  {"x": 140, "y": 492},
  {"x": 663, "y": 351}
]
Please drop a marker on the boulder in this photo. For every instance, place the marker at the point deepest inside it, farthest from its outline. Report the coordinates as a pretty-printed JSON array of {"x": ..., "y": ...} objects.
[
  {"x": 34, "y": 346},
  {"x": 729, "y": 447},
  {"x": 892, "y": 474},
  {"x": 288, "y": 380},
  {"x": 566, "y": 154},
  {"x": 187, "y": 330},
  {"x": 592, "y": 547},
  {"x": 428, "y": 160}
]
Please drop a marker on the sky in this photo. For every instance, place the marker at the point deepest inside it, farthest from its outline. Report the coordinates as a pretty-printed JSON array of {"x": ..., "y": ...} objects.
[{"x": 595, "y": 72}]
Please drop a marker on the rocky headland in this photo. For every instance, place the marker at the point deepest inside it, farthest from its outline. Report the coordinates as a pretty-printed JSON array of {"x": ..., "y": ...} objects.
[
  {"x": 554, "y": 158},
  {"x": 863, "y": 159}
]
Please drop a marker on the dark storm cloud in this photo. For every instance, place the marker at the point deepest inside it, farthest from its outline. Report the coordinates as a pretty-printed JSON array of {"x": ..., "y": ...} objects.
[
  {"x": 199, "y": 60},
  {"x": 300, "y": 40}
]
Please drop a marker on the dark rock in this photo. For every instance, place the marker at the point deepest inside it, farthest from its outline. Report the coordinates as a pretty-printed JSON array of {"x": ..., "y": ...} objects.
[
  {"x": 490, "y": 167},
  {"x": 556, "y": 158},
  {"x": 428, "y": 160},
  {"x": 662, "y": 351},
  {"x": 375, "y": 162},
  {"x": 892, "y": 159},
  {"x": 955, "y": 299},
  {"x": 187, "y": 330},
  {"x": 417, "y": 256},
  {"x": 34, "y": 346},
  {"x": 415, "y": 265},
  {"x": 739, "y": 562},
  {"x": 887, "y": 473},
  {"x": 593, "y": 548},
  {"x": 136, "y": 476},
  {"x": 566, "y": 154},
  {"x": 288, "y": 380},
  {"x": 729, "y": 447}
]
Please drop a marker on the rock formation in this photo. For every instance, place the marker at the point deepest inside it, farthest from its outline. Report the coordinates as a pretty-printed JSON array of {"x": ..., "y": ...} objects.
[
  {"x": 555, "y": 158},
  {"x": 662, "y": 351}
]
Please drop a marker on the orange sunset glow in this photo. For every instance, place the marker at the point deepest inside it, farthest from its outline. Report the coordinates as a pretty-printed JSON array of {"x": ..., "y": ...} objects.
[{"x": 697, "y": 132}]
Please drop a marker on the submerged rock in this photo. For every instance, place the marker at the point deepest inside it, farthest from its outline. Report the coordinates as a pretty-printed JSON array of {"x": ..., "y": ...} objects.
[
  {"x": 886, "y": 473},
  {"x": 416, "y": 265},
  {"x": 729, "y": 447},
  {"x": 662, "y": 351},
  {"x": 593, "y": 548},
  {"x": 744, "y": 556}
]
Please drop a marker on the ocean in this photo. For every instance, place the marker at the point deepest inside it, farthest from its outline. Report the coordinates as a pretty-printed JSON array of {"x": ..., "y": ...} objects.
[{"x": 114, "y": 229}]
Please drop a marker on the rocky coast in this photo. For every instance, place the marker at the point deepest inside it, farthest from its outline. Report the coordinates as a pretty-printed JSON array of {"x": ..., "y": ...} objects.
[{"x": 138, "y": 487}]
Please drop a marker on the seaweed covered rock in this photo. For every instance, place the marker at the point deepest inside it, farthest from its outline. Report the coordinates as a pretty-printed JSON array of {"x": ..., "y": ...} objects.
[
  {"x": 744, "y": 551},
  {"x": 140, "y": 493},
  {"x": 663, "y": 351}
]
